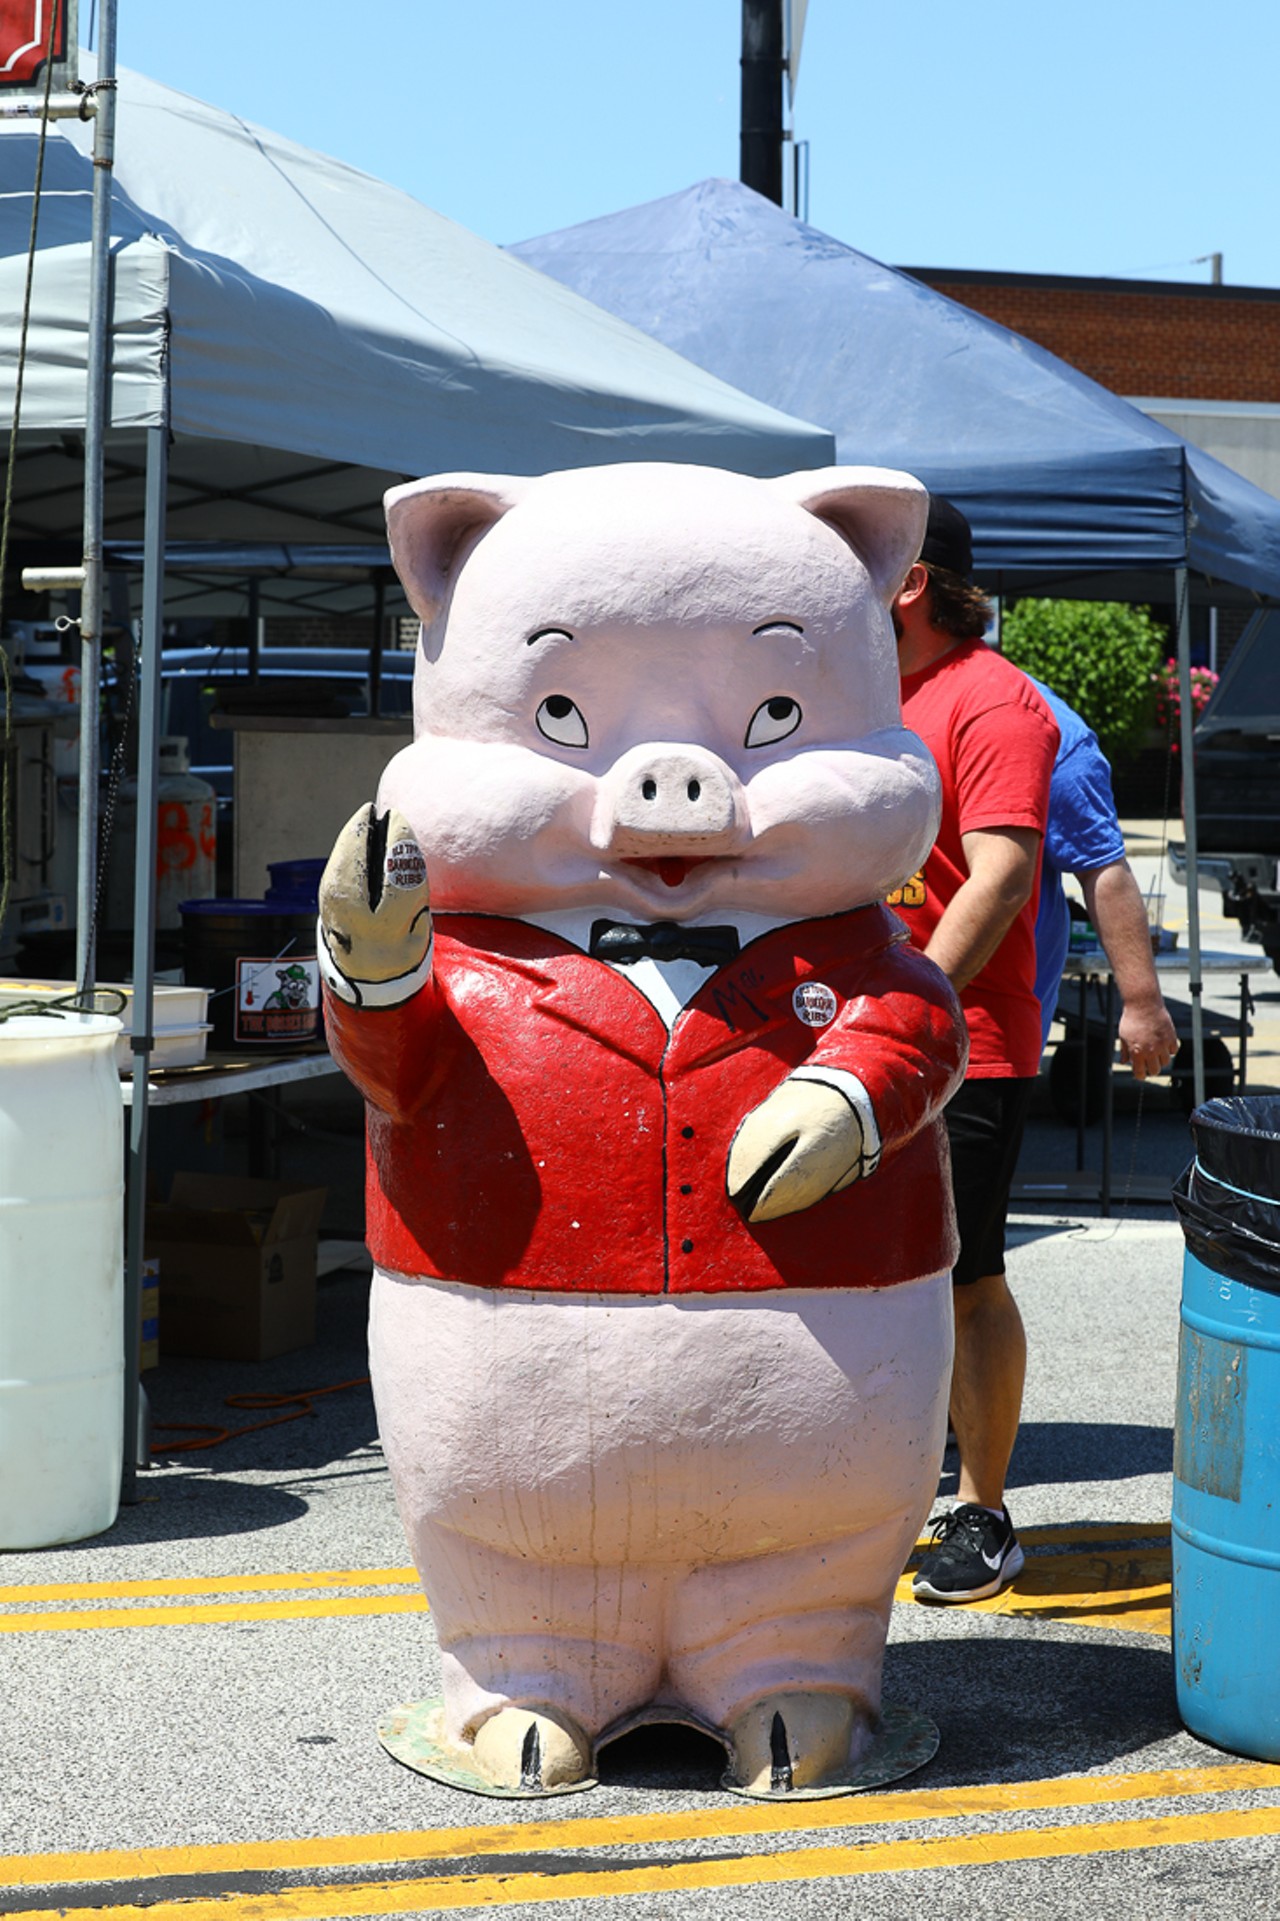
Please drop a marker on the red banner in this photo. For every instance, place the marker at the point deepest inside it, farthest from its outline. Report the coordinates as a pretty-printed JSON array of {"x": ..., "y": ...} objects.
[{"x": 24, "y": 43}]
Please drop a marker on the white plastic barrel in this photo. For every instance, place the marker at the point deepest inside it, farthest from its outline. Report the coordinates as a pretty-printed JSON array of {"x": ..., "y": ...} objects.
[{"x": 61, "y": 1278}]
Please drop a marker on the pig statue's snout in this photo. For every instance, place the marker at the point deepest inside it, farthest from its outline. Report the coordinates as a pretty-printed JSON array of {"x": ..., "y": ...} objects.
[{"x": 668, "y": 796}]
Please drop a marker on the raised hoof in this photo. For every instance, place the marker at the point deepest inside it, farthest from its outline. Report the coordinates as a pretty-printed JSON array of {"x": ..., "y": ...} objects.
[
  {"x": 793, "y": 1742},
  {"x": 534, "y": 1750}
]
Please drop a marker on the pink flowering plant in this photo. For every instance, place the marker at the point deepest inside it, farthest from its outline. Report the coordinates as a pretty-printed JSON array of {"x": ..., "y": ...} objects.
[{"x": 1169, "y": 696}]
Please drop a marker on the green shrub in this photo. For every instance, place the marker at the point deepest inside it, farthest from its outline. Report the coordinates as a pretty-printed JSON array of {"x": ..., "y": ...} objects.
[{"x": 1101, "y": 656}]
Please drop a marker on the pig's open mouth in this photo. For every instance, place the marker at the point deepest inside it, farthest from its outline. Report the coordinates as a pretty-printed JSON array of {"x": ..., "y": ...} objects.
[{"x": 672, "y": 869}]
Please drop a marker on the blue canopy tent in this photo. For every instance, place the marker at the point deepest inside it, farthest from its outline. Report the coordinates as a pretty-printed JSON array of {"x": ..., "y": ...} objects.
[{"x": 1069, "y": 489}]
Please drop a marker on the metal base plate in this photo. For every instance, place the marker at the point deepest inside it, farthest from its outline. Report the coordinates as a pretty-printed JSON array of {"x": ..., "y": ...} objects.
[
  {"x": 903, "y": 1742},
  {"x": 413, "y": 1734}
]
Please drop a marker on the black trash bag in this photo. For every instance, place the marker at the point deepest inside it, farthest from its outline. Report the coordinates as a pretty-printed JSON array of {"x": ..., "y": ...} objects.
[{"x": 1228, "y": 1198}]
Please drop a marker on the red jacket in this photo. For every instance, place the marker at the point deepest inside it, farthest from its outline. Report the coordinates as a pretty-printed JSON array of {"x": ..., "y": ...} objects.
[{"x": 533, "y": 1124}]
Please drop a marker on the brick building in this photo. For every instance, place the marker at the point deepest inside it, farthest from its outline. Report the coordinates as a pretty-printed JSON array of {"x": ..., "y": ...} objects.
[{"x": 1203, "y": 360}]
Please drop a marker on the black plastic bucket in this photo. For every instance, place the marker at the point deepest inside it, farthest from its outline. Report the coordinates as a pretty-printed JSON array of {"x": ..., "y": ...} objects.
[
  {"x": 295, "y": 884},
  {"x": 258, "y": 958}
]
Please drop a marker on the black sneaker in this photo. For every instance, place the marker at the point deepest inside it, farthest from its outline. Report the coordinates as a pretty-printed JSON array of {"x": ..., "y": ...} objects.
[{"x": 974, "y": 1554}]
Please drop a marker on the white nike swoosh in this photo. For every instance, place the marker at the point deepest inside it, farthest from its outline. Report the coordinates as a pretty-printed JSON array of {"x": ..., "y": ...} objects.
[{"x": 992, "y": 1561}]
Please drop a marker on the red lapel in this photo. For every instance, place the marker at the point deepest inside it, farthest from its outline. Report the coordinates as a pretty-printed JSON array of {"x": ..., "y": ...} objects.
[
  {"x": 754, "y": 994},
  {"x": 563, "y": 983}
]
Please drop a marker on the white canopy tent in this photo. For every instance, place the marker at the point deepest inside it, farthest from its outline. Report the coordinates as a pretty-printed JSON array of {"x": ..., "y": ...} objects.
[
  {"x": 306, "y": 335},
  {"x": 286, "y": 338}
]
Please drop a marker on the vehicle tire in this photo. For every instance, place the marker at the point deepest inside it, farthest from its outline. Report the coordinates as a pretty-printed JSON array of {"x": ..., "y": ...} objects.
[
  {"x": 1064, "y": 1079},
  {"x": 1219, "y": 1074}
]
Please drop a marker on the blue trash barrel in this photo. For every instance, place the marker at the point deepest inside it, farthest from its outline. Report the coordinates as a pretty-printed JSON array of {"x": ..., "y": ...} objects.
[{"x": 1226, "y": 1466}]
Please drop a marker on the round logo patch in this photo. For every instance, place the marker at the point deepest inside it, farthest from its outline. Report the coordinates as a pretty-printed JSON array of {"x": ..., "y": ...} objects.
[
  {"x": 815, "y": 1004},
  {"x": 405, "y": 865}
]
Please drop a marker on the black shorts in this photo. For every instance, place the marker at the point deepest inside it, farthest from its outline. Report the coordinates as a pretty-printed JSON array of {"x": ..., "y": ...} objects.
[{"x": 985, "y": 1122}]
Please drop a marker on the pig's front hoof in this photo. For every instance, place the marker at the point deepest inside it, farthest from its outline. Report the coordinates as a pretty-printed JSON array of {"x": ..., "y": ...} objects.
[
  {"x": 531, "y": 1749},
  {"x": 375, "y": 898},
  {"x": 789, "y": 1743},
  {"x": 801, "y": 1144}
]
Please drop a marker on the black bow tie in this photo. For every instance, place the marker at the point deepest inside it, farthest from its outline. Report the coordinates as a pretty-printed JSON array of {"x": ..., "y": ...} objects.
[{"x": 662, "y": 940}]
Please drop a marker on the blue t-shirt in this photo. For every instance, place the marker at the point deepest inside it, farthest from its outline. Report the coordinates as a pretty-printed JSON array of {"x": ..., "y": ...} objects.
[{"x": 1083, "y": 833}]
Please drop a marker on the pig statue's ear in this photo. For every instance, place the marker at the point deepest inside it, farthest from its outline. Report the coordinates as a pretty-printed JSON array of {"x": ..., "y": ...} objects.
[
  {"x": 432, "y": 526},
  {"x": 880, "y": 512}
]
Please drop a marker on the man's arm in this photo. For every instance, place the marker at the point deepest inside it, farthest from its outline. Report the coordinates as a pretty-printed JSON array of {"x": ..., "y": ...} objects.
[
  {"x": 1002, "y": 864},
  {"x": 1148, "y": 1039}
]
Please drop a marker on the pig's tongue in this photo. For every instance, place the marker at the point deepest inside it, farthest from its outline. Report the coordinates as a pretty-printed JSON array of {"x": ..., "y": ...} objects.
[{"x": 671, "y": 869}]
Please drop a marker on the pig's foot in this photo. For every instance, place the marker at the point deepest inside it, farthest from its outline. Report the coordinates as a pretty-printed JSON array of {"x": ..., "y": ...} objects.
[
  {"x": 791, "y": 1741},
  {"x": 532, "y": 1749}
]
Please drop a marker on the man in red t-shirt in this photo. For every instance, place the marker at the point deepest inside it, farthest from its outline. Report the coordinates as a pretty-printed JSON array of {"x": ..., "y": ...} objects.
[{"x": 972, "y": 910}]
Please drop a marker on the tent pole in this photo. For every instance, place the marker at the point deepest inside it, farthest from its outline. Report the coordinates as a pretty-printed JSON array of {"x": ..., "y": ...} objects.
[
  {"x": 97, "y": 404},
  {"x": 144, "y": 916},
  {"x": 1182, "y": 601},
  {"x": 379, "y": 638}
]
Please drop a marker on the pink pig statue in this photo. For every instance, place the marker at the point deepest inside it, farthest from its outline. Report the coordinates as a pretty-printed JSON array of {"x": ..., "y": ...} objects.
[{"x": 658, "y": 1190}]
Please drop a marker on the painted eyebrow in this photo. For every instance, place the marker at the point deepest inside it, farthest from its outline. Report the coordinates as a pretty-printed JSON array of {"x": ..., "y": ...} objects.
[
  {"x": 768, "y": 626},
  {"x": 545, "y": 633}
]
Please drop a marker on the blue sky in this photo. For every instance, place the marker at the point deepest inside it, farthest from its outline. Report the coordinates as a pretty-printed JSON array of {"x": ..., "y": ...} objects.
[{"x": 1118, "y": 139}]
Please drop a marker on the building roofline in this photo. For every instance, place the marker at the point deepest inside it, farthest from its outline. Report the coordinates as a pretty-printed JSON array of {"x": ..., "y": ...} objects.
[{"x": 1083, "y": 283}]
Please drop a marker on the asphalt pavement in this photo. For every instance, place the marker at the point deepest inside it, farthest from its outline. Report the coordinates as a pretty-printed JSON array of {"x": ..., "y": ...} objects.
[{"x": 193, "y": 1696}]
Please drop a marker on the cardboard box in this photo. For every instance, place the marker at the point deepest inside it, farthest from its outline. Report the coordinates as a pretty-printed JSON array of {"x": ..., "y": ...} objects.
[{"x": 238, "y": 1261}]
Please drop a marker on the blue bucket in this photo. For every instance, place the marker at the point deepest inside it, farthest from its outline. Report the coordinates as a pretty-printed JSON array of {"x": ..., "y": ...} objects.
[{"x": 1226, "y": 1486}]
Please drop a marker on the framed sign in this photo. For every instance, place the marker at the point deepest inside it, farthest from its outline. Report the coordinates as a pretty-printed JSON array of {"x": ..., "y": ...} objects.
[{"x": 24, "y": 44}]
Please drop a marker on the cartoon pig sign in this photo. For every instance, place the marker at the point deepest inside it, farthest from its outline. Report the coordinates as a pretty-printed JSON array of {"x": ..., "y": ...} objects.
[{"x": 658, "y": 1192}]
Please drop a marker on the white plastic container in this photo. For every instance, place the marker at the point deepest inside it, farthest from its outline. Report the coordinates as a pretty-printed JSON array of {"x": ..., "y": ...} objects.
[
  {"x": 179, "y": 1026},
  {"x": 61, "y": 1278},
  {"x": 186, "y": 840}
]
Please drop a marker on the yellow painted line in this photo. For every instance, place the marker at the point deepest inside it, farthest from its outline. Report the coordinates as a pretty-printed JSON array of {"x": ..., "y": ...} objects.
[
  {"x": 210, "y": 1584},
  {"x": 1129, "y": 1591},
  {"x": 21, "y": 1593},
  {"x": 1119, "y": 1590},
  {"x": 449, "y": 1893},
  {"x": 65, "y": 1620},
  {"x": 1132, "y": 1591},
  {"x": 637, "y": 1830}
]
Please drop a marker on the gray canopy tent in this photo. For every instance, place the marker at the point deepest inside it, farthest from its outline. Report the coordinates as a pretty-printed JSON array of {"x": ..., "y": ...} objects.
[{"x": 305, "y": 335}]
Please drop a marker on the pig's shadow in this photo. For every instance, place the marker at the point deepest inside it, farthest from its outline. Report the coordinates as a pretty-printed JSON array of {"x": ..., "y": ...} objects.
[{"x": 1032, "y": 1709}]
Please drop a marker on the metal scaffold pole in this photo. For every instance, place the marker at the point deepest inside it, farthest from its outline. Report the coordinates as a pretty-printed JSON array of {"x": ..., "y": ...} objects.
[{"x": 97, "y": 411}]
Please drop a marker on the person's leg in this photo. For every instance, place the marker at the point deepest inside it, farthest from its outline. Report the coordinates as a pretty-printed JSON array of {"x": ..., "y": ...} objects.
[
  {"x": 986, "y": 1386},
  {"x": 975, "y": 1551}
]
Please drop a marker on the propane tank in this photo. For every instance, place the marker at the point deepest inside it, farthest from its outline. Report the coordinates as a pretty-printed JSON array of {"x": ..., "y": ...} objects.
[{"x": 186, "y": 840}]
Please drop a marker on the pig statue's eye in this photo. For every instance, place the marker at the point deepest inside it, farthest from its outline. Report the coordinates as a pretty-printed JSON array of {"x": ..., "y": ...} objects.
[
  {"x": 773, "y": 720},
  {"x": 559, "y": 720}
]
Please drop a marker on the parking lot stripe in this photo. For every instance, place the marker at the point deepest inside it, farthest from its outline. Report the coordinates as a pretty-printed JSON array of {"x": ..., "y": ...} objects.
[
  {"x": 598, "y": 1831},
  {"x": 204, "y": 1614},
  {"x": 209, "y": 1584},
  {"x": 1127, "y": 1590},
  {"x": 348, "y": 1900}
]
